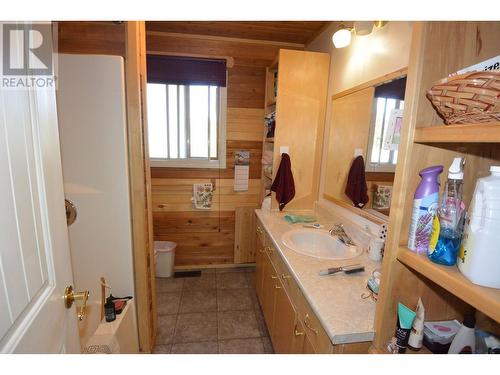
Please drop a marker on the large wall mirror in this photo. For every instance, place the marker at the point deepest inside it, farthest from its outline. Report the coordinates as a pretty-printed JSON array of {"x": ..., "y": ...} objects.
[{"x": 366, "y": 121}]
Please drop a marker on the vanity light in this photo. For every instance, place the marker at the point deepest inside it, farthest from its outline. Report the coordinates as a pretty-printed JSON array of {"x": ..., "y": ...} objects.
[{"x": 342, "y": 37}]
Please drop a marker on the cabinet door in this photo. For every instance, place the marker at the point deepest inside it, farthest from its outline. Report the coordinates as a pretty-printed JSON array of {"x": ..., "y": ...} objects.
[
  {"x": 268, "y": 292},
  {"x": 307, "y": 348},
  {"x": 299, "y": 335},
  {"x": 259, "y": 263},
  {"x": 282, "y": 334},
  {"x": 244, "y": 241}
]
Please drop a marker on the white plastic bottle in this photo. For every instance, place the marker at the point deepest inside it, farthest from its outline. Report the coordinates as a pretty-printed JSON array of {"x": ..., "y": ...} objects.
[
  {"x": 464, "y": 341},
  {"x": 479, "y": 256}
]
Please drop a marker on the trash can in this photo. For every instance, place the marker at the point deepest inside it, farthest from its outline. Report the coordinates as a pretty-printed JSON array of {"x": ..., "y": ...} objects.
[{"x": 164, "y": 257}]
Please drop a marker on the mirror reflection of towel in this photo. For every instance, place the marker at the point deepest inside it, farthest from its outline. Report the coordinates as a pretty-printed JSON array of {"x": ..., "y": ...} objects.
[
  {"x": 356, "y": 188},
  {"x": 283, "y": 184}
]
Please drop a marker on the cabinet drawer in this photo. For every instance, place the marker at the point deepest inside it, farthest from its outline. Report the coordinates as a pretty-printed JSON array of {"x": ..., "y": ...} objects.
[{"x": 314, "y": 330}]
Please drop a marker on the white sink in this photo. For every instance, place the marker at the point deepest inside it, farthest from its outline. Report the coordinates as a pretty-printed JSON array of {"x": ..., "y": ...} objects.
[{"x": 318, "y": 243}]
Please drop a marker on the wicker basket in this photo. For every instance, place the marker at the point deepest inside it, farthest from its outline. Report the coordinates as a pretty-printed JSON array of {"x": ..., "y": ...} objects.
[{"x": 468, "y": 98}]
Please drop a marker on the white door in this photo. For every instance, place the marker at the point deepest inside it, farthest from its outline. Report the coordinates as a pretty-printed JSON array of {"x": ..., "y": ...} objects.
[{"x": 35, "y": 263}]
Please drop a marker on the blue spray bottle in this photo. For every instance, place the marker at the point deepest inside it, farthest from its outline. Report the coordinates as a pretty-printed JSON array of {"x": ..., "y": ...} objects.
[{"x": 447, "y": 226}]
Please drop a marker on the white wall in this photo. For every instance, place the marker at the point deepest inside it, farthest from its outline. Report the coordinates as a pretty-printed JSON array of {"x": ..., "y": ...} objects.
[
  {"x": 383, "y": 51},
  {"x": 92, "y": 126}
]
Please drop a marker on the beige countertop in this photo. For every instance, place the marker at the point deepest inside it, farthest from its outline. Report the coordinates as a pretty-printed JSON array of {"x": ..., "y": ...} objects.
[{"x": 336, "y": 299}]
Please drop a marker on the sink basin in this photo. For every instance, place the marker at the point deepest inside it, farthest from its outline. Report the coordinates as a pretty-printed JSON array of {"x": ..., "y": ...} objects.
[{"x": 318, "y": 243}]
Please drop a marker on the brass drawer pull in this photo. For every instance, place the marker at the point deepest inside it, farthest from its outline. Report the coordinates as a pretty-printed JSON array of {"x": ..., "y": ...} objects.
[
  {"x": 274, "y": 277},
  {"x": 296, "y": 332},
  {"x": 306, "y": 323},
  {"x": 259, "y": 231},
  {"x": 262, "y": 251},
  {"x": 284, "y": 277},
  {"x": 277, "y": 287}
]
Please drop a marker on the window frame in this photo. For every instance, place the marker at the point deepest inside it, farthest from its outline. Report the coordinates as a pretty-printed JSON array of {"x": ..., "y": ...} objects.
[{"x": 220, "y": 162}]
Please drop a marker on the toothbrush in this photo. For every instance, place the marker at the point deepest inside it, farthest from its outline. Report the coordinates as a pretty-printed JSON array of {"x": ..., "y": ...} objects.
[
  {"x": 346, "y": 269},
  {"x": 315, "y": 226}
]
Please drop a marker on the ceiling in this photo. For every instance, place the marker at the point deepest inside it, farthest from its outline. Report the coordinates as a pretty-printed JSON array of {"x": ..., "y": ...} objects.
[{"x": 279, "y": 31}]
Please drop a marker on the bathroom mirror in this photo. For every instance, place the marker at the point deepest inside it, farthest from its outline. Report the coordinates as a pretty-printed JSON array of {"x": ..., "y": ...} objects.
[{"x": 366, "y": 121}]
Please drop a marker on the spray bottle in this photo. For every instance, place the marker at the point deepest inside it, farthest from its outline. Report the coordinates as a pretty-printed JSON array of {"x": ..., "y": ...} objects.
[
  {"x": 425, "y": 204},
  {"x": 447, "y": 227}
]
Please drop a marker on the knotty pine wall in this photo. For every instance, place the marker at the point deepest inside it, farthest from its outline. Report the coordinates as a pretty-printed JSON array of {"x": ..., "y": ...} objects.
[
  {"x": 207, "y": 237},
  {"x": 202, "y": 237}
]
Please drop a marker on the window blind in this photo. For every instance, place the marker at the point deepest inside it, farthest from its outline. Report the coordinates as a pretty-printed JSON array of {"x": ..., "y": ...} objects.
[
  {"x": 186, "y": 71},
  {"x": 392, "y": 90}
]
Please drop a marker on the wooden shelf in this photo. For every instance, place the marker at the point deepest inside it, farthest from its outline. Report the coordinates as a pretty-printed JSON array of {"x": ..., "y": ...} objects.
[
  {"x": 269, "y": 140},
  {"x": 484, "y": 299},
  {"x": 461, "y": 133}
]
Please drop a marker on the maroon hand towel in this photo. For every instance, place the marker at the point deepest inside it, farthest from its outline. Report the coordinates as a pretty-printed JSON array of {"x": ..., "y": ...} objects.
[
  {"x": 283, "y": 184},
  {"x": 356, "y": 188}
]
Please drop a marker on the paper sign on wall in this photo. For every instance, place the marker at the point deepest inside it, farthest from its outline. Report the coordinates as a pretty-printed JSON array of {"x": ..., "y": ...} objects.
[{"x": 241, "y": 170}]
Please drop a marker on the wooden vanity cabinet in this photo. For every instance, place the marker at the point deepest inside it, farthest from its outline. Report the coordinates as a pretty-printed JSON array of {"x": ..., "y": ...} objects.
[
  {"x": 259, "y": 261},
  {"x": 293, "y": 326}
]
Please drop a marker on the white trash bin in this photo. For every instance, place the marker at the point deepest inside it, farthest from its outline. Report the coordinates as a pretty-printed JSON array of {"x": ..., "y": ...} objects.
[{"x": 165, "y": 254}]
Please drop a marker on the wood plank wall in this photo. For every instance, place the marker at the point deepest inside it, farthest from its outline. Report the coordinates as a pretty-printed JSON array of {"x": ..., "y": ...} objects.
[{"x": 207, "y": 238}]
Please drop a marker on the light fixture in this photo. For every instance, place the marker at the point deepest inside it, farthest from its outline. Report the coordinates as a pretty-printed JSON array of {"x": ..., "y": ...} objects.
[
  {"x": 363, "y": 27},
  {"x": 342, "y": 37},
  {"x": 380, "y": 24}
]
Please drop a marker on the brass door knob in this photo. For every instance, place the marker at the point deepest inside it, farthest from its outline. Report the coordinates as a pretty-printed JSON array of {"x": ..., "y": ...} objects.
[{"x": 70, "y": 296}]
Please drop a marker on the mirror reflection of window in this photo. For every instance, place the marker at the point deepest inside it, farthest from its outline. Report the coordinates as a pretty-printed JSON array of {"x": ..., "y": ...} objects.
[{"x": 385, "y": 127}]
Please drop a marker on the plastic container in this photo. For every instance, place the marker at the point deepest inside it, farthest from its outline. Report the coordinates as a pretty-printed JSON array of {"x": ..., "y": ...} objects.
[
  {"x": 479, "y": 256},
  {"x": 464, "y": 341},
  {"x": 447, "y": 226},
  {"x": 425, "y": 204},
  {"x": 164, "y": 257},
  {"x": 439, "y": 335}
]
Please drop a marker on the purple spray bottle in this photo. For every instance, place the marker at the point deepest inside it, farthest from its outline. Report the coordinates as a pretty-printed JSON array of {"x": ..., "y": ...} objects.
[{"x": 425, "y": 204}]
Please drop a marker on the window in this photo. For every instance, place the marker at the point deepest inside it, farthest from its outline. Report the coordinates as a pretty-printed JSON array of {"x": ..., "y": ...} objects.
[
  {"x": 186, "y": 114},
  {"x": 385, "y": 129}
]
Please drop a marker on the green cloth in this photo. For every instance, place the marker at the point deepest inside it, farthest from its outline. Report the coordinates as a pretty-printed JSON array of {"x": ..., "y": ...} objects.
[{"x": 300, "y": 219}]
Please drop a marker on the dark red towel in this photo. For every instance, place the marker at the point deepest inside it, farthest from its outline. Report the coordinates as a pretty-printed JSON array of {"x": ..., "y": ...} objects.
[
  {"x": 283, "y": 184},
  {"x": 356, "y": 188}
]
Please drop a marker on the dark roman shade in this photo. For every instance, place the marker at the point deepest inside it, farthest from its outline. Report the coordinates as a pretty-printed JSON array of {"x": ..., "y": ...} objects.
[
  {"x": 392, "y": 90},
  {"x": 186, "y": 70}
]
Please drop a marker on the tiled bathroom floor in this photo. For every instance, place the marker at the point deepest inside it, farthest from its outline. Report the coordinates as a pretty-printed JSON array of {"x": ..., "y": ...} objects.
[{"x": 217, "y": 312}]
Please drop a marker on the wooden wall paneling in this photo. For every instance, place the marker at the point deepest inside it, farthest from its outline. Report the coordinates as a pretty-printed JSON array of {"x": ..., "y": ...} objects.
[
  {"x": 96, "y": 37},
  {"x": 244, "y": 243},
  {"x": 208, "y": 238},
  {"x": 349, "y": 130},
  {"x": 244, "y": 124},
  {"x": 254, "y": 147},
  {"x": 284, "y": 31},
  {"x": 140, "y": 188}
]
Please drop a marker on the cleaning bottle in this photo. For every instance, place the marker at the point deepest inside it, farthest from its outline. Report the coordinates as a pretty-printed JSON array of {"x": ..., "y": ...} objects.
[
  {"x": 447, "y": 226},
  {"x": 464, "y": 341},
  {"x": 479, "y": 257},
  {"x": 425, "y": 203}
]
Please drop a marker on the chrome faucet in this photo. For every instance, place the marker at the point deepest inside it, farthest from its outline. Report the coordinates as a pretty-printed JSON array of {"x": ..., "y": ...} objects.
[{"x": 338, "y": 231}]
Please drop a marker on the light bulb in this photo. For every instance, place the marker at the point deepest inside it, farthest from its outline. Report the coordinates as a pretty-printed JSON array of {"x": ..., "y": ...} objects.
[{"x": 341, "y": 38}]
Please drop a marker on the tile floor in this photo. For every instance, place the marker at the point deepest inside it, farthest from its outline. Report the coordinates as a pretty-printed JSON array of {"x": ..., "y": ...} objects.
[{"x": 217, "y": 312}]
